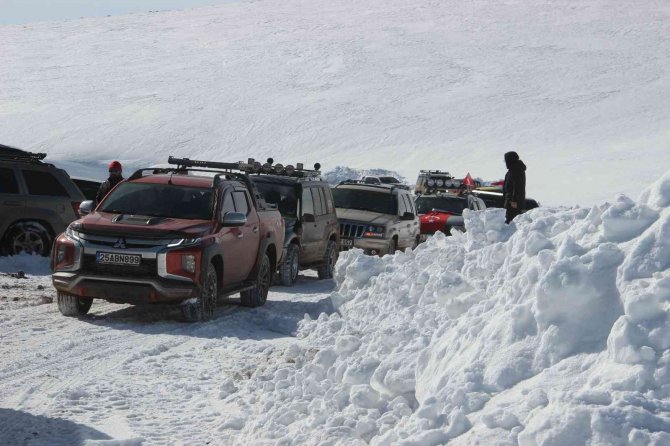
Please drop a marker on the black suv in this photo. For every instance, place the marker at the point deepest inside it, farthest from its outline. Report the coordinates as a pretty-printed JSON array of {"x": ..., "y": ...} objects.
[
  {"x": 306, "y": 203},
  {"x": 37, "y": 202}
]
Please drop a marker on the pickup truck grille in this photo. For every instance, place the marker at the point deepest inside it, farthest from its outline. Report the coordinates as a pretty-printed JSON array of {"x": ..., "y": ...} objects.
[
  {"x": 147, "y": 268},
  {"x": 352, "y": 230}
]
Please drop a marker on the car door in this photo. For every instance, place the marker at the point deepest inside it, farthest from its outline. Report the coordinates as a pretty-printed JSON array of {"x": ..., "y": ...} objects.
[
  {"x": 415, "y": 229},
  {"x": 12, "y": 201},
  {"x": 310, "y": 227},
  {"x": 248, "y": 235},
  {"x": 229, "y": 239}
]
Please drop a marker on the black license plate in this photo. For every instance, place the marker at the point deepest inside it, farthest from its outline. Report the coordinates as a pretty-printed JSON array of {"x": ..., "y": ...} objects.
[
  {"x": 112, "y": 258},
  {"x": 347, "y": 243}
]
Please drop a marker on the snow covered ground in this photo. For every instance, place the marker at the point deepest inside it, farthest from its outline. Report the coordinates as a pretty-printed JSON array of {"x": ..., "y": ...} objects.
[
  {"x": 551, "y": 331},
  {"x": 578, "y": 88}
]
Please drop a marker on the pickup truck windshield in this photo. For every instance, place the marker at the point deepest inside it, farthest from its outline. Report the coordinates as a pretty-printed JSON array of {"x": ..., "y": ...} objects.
[
  {"x": 160, "y": 200},
  {"x": 365, "y": 200},
  {"x": 450, "y": 204}
]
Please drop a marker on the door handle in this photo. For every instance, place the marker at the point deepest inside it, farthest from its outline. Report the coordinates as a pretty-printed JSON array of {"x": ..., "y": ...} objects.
[
  {"x": 255, "y": 229},
  {"x": 240, "y": 235},
  {"x": 12, "y": 203}
]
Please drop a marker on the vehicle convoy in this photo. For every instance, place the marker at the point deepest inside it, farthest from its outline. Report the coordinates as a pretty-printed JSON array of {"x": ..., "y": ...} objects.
[
  {"x": 37, "y": 202},
  {"x": 443, "y": 212},
  {"x": 379, "y": 219},
  {"x": 306, "y": 203},
  {"x": 185, "y": 235}
]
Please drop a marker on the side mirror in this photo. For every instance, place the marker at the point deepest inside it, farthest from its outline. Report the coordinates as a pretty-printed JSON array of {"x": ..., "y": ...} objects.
[
  {"x": 86, "y": 207},
  {"x": 308, "y": 218},
  {"x": 407, "y": 216},
  {"x": 232, "y": 219}
]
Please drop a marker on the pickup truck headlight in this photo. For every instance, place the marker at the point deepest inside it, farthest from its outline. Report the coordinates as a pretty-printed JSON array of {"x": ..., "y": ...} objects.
[{"x": 374, "y": 232}]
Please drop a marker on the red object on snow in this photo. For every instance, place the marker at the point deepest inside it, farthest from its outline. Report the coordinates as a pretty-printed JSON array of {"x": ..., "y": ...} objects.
[
  {"x": 434, "y": 221},
  {"x": 498, "y": 183}
]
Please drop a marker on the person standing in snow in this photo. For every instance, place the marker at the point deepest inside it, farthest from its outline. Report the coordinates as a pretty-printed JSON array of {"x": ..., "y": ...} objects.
[
  {"x": 115, "y": 177},
  {"x": 514, "y": 189}
]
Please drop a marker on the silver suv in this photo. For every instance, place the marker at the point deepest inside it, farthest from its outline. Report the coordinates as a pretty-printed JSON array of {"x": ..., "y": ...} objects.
[
  {"x": 37, "y": 202},
  {"x": 379, "y": 219}
]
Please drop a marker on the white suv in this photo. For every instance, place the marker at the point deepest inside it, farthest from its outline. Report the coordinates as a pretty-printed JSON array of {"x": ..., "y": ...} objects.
[{"x": 379, "y": 219}]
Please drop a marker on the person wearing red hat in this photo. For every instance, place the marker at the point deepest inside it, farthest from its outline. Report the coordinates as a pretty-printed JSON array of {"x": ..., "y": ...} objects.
[{"x": 115, "y": 177}]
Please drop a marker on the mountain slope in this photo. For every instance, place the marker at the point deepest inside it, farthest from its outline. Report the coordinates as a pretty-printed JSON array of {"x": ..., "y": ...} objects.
[{"x": 578, "y": 89}]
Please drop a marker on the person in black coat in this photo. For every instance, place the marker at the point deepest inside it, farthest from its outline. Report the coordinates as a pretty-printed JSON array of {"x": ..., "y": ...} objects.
[
  {"x": 514, "y": 189},
  {"x": 115, "y": 177}
]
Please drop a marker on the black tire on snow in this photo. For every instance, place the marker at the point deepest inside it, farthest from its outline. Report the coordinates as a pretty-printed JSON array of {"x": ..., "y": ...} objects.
[
  {"x": 288, "y": 271},
  {"x": 73, "y": 306},
  {"x": 393, "y": 246},
  {"x": 258, "y": 295},
  {"x": 30, "y": 237},
  {"x": 204, "y": 306},
  {"x": 328, "y": 268}
]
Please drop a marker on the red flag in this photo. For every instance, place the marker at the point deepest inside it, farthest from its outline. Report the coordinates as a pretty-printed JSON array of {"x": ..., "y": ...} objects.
[{"x": 468, "y": 181}]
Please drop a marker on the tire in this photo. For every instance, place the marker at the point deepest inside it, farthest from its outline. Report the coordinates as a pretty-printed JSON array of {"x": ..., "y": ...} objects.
[
  {"x": 288, "y": 272},
  {"x": 28, "y": 237},
  {"x": 326, "y": 271},
  {"x": 73, "y": 306},
  {"x": 258, "y": 295},
  {"x": 204, "y": 306},
  {"x": 393, "y": 246}
]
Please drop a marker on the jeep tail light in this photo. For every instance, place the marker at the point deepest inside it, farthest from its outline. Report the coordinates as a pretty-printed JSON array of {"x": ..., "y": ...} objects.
[
  {"x": 75, "y": 207},
  {"x": 183, "y": 263}
]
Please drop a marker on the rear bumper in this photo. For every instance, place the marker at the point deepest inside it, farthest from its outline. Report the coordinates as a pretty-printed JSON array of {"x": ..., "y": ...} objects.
[{"x": 124, "y": 290}]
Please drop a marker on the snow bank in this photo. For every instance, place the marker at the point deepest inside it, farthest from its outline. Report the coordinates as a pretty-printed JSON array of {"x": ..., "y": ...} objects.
[{"x": 551, "y": 331}]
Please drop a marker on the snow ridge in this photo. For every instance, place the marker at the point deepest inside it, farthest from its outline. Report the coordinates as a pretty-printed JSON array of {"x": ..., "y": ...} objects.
[{"x": 553, "y": 330}]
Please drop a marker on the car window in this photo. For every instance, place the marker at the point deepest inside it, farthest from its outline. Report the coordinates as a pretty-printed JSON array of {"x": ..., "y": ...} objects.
[
  {"x": 382, "y": 202},
  {"x": 307, "y": 203},
  {"x": 43, "y": 183},
  {"x": 408, "y": 204},
  {"x": 241, "y": 202},
  {"x": 228, "y": 204},
  {"x": 319, "y": 205},
  {"x": 402, "y": 205},
  {"x": 8, "y": 184},
  {"x": 327, "y": 198}
]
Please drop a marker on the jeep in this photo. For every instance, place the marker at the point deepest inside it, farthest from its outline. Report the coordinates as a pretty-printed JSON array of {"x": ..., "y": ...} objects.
[
  {"x": 379, "y": 219},
  {"x": 306, "y": 204}
]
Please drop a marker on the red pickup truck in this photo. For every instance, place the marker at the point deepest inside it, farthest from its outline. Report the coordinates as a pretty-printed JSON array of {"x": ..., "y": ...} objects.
[{"x": 185, "y": 235}]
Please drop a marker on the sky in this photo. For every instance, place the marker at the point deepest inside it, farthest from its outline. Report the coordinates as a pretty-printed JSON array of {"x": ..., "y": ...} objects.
[{"x": 28, "y": 11}]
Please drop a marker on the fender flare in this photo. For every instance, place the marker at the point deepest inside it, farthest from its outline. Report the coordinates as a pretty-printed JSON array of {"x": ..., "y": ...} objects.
[{"x": 266, "y": 243}]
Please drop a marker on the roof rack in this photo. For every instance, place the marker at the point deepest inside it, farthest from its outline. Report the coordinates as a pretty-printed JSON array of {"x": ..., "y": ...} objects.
[
  {"x": 389, "y": 187},
  {"x": 435, "y": 172},
  {"x": 8, "y": 153}
]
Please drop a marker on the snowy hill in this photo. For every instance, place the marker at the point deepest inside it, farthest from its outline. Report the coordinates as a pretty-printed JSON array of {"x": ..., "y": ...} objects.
[{"x": 578, "y": 88}]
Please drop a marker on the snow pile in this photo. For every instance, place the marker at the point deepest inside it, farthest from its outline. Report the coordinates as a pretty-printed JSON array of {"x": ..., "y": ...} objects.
[
  {"x": 551, "y": 331},
  {"x": 342, "y": 173},
  {"x": 30, "y": 264}
]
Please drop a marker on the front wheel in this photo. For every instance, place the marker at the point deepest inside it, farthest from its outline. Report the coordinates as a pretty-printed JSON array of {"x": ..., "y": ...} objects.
[
  {"x": 392, "y": 246},
  {"x": 258, "y": 295},
  {"x": 326, "y": 271},
  {"x": 70, "y": 305},
  {"x": 203, "y": 308}
]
